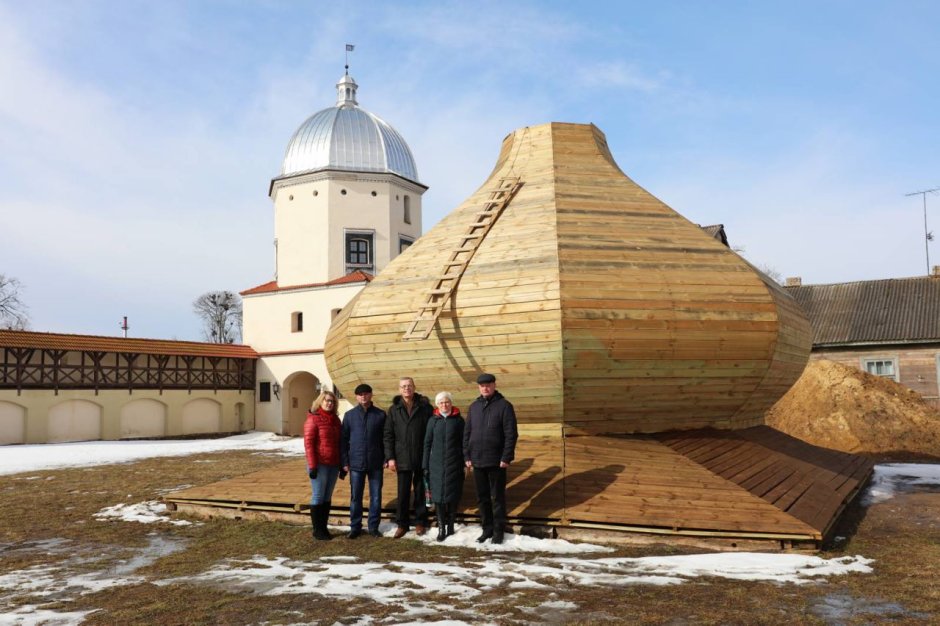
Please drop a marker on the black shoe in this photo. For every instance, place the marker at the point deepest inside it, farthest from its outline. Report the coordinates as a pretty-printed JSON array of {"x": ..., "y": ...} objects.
[
  {"x": 375, "y": 532},
  {"x": 497, "y": 537},
  {"x": 486, "y": 535},
  {"x": 441, "y": 533},
  {"x": 353, "y": 534}
]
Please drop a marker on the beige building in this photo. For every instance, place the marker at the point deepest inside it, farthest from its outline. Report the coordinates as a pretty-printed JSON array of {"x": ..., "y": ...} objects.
[
  {"x": 58, "y": 387},
  {"x": 347, "y": 202}
]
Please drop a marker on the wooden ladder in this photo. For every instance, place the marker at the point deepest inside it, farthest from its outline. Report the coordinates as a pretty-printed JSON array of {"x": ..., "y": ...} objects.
[{"x": 440, "y": 294}]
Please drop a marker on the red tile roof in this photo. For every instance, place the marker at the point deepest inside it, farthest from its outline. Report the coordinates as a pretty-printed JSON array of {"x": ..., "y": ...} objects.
[
  {"x": 270, "y": 287},
  {"x": 62, "y": 341}
]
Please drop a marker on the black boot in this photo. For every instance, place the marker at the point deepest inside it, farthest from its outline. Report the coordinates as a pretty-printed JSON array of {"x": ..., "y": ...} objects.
[
  {"x": 325, "y": 520},
  {"x": 319, "y": 528},
  {"x": 441, "y": 529},
  {"x": 314, "y": 519},
  {"x": 451, "y": 516}
]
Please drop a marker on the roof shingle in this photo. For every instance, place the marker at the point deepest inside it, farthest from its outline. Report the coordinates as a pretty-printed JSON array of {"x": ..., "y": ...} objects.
[{"x": 63, "y": 341}]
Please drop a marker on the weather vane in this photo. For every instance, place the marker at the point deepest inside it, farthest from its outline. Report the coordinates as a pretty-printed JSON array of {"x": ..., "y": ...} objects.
[{"x": 349, "y": 48}]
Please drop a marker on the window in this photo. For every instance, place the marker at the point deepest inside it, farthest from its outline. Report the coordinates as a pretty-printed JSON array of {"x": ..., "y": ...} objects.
[
  {"x": 359, "y": 252},
  {"x": 407, "y": 213},
  {"x": 404, "y": 243},
  {"x": 297, "y": 322},
  {"x": 882, "y": 366},
  {"x": 264, "y": 392}
]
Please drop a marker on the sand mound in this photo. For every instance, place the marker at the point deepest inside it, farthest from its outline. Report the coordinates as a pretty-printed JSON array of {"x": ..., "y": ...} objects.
[{"x": 843, "y": 408}]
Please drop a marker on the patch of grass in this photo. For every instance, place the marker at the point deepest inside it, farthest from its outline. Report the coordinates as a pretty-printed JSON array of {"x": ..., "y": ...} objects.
[{"x": 902, "y": 535}]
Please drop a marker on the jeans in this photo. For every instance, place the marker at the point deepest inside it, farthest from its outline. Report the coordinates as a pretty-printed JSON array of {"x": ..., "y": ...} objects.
[
  {"x": 491, "y": 497},
  {"x": 322, "y": 485},
  {"x": 409, "y": 481},
  {"x": 357, "y": 485}
]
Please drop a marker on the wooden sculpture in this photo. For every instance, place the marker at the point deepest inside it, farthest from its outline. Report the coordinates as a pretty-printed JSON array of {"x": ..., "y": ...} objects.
[{"x": 598, "y": 307}]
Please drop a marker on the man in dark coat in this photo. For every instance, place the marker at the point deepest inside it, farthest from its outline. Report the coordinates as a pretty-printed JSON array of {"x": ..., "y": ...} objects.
[
  {"x": 404, "y": 450},
  {"x": 489, "y": 446},
  {"x": 362, "y": 456}
]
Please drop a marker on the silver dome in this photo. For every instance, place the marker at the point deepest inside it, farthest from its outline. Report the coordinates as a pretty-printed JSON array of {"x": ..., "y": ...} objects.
[{"x": 346, "y": 137}]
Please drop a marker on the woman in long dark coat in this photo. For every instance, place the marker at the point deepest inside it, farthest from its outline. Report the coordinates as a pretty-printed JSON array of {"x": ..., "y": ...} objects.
[{"x": 443, "y": 462}]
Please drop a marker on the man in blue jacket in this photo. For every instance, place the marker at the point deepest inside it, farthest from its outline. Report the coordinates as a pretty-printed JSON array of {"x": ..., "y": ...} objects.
[
  {"x": 362, "y": 455},
  {"x": 489, "y": 446}
]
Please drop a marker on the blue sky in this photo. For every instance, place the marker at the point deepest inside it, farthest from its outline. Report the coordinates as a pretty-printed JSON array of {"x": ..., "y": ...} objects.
[{"x": 138, "y": 139}]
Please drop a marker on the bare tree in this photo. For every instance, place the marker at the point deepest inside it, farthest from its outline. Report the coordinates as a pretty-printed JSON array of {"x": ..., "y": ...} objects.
[
  {"x": 12, "y": 310},
  {"x": 221, "y": 315}
]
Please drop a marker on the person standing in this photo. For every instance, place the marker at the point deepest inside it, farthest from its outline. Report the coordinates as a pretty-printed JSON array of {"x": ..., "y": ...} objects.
[
  {"x": 404, "y": 446},
  {"x": 489, "y": 446},
  {"x": 443, "y": 462},
  {"x": 362, "y": 456},
  {"x": 322, "y": 433}
]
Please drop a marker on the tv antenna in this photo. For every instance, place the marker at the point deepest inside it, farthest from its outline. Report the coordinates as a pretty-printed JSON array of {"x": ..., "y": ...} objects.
[{"x": 928, "y": 236}]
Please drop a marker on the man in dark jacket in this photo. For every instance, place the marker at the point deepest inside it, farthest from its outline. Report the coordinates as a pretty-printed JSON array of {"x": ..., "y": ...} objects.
[
  {"x": 404, "y": 450},
  {"x": 362, "y": 456},
  {"x": 489, "y": 446}
]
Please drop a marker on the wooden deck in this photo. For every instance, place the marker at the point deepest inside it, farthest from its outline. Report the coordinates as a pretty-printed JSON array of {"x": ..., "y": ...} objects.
[{"x": 751, "y": 483}]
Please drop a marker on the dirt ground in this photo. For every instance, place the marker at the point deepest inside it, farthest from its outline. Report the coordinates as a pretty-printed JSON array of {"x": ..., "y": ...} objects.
[
  {"x": 840, "y": 407},
  {"x": 48, "y": 529}
]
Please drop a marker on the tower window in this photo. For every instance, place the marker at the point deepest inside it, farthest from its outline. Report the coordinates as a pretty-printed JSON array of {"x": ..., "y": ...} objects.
[
  {"x": 407, "y": 212},
  {"x": 404, "y": 243},
  {"x": 264, "y": 391},
  {"x": 359, "y": 252},
  {"x": 297, "y": 322}
]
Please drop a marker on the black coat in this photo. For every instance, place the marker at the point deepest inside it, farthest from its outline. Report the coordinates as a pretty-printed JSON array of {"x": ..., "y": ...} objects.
[
  {"x": 443, "y": 457},
  {"x": 404, "y": 433},
  {"x": 361, "y": 439},
  {"x": 491, "y": 433}
]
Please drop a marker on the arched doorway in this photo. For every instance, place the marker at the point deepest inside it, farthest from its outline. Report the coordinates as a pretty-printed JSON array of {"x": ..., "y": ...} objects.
[{"x": 299, "y": 391}]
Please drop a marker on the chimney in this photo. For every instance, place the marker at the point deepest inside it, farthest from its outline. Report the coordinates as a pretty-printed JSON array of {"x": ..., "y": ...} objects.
[
  {"x": 794, "y": 281},
  {"x": 935, "y": 272}
]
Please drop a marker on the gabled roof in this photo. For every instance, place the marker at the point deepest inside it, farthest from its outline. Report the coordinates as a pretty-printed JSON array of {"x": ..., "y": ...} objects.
[
  {"x": 357, "y": 276},
  {"x": 895, "y": 310},
  {"x": 95, "y": 343}
]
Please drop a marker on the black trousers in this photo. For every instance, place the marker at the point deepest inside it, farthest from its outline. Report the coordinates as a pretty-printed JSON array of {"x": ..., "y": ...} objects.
[
  {"x": 409, "y": 481},
  {"x": 491, "y": 497}
]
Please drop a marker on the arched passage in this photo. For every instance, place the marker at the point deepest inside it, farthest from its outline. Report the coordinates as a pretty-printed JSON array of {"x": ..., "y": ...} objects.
[
  {"x": 74, "y": 420},
  {"x": 143, "y": 418},
  {"x": 201, "y": 415},
  {"x": 300, "y": 390},
  {"x": 12, "y": 423}
]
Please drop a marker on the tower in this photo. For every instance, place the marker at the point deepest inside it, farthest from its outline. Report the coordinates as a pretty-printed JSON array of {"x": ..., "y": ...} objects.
[{"x": 346, "y": 202}]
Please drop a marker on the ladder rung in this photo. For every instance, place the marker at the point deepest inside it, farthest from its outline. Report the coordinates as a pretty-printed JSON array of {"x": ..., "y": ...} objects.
[
  {"x": 438, "y": 292},
  {"x": 454, "y": 263},
  {"x": 465, "y": 249},
  {"x": 473, "y": 236}
]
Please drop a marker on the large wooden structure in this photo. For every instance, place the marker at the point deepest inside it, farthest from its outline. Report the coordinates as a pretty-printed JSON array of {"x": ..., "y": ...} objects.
[
  {"x": 598, "y": 307},
  {"x": 640, "y": 354}
]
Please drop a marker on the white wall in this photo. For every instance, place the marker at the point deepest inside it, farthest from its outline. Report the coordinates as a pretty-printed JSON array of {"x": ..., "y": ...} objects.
[
  {"x": 201, "y": 415},
  {"x": 143, "y": 418},
  {"x": 74, "y": 420}
]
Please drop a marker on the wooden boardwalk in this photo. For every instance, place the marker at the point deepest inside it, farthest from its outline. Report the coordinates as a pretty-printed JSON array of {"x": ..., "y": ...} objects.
[{"x": 751, "y": 483}]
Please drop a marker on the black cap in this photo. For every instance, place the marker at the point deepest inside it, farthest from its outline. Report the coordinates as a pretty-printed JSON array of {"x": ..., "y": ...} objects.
[
  {"x": 363, "y": 388},
  {"x": 485, "y": 378}
]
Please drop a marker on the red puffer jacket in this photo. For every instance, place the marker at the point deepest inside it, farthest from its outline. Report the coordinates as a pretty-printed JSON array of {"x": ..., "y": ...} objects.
[{"x": 321, "y": 438}]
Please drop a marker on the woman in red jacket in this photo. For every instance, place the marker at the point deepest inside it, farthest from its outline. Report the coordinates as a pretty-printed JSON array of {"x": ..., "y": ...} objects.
[{"x": 321, "y": 442}]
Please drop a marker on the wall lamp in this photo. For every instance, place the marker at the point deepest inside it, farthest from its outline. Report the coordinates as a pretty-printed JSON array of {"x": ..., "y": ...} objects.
[{"x": 276, "y": 388}]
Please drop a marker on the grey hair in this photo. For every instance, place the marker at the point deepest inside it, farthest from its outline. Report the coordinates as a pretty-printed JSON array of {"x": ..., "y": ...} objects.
[{"x": 442, "y": 395}]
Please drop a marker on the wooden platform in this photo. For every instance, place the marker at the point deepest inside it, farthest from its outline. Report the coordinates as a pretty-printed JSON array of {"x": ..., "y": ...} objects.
[{"x": 756, "y": 483}]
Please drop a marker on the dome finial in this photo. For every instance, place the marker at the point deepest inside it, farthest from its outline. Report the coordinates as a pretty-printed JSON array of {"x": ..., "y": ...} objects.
[{"x": 349, "y": 48}]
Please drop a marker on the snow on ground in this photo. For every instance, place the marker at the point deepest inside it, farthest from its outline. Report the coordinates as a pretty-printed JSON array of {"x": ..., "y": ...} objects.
[
  {"x": 46, "y": 456},
  {"x": 890, "y": 478},
  {"x": 143, "y": 512}
]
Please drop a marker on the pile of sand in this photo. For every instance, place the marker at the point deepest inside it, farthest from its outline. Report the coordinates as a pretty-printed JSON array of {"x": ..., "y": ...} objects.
[{"x": 843, "y": 408}]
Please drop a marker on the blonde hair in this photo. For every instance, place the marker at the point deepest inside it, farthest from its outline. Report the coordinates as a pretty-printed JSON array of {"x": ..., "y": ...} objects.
[{"x": 319, "y": 401}]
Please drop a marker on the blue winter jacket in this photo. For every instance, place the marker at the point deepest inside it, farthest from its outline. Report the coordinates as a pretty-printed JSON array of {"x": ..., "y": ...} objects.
[{"x": 361, "y": 446}]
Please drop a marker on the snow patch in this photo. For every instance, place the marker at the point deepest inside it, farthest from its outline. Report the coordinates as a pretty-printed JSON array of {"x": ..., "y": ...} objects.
[
  {"x": 890, "y": 478},
  {"x": 48, "y": 456},
  {"x": 143, "y": 512}
]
